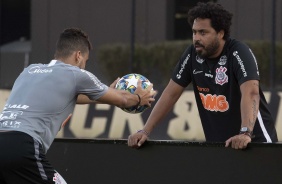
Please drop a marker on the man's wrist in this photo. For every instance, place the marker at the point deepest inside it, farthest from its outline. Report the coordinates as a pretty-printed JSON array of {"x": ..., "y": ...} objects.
[
  {"x": 143, "y": 131},
  {"x": 139, "y": 100},
  {"x": 246, "y": 131}
]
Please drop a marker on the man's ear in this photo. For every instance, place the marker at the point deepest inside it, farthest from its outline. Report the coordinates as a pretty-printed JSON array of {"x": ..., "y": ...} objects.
[
  {"x": 221, "y": 34},
  {"x": 78, "y": 57}
]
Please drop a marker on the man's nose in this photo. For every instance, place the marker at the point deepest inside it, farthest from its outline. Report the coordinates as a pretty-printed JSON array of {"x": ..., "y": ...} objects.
[{"x": 196, "y": 37}]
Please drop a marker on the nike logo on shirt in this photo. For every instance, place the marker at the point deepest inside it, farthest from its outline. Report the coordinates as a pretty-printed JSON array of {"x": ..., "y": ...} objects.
[{"x": 196, "y": 72}]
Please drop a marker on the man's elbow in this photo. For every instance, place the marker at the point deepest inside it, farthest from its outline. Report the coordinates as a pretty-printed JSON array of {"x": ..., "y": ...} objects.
[{"x": 254, "y": 94}]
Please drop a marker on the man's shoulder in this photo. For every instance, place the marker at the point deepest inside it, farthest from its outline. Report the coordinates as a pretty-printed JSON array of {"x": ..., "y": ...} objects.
[
  {"x": 67, "y": 68},
  {"x": 34, "y": 64},
  {"x": 232, "y": 42},
  {"x": 236, "y": 45},
  {"x": 189, "y": 49}
]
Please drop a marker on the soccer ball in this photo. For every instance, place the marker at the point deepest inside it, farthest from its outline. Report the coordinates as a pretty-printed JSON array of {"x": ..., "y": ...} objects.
[{"x": 129, "y": 83}]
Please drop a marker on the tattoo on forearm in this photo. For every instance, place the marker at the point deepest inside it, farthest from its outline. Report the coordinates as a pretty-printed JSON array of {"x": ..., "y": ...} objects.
[{"x": 254, "y": 107}]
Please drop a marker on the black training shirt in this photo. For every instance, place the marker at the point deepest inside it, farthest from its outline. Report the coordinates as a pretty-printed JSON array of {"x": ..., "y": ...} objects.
[{"x": 216, "y": 83}]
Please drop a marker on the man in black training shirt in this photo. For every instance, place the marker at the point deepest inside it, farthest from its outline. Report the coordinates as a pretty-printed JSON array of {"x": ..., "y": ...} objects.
[{"x": 225, "y": 78}]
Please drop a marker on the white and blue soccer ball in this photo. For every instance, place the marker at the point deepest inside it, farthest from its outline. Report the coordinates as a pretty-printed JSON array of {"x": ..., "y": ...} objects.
[{"x": 129, "y": 83}]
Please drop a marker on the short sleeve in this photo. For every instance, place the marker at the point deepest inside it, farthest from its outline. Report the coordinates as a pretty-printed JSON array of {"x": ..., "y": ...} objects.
[
  {"x": 181, "y": 73},
  {"x": 244, "y": 63},
  {"x": 89, "y": 85}
]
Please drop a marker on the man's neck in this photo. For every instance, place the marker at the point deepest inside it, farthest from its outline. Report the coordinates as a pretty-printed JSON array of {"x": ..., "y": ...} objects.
[{"x": 219, "y": 50}]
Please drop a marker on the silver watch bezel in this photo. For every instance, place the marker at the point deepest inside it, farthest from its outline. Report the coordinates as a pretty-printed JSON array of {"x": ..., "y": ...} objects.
[{"x": 245, "y": 129}]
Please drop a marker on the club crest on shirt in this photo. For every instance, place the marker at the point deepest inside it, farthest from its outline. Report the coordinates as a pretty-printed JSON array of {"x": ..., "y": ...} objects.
[{"x": 221, "y": 77}]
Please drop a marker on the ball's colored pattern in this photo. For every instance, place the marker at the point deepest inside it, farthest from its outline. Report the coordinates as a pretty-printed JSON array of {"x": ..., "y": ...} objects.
[{"x": 129, "y": 83}]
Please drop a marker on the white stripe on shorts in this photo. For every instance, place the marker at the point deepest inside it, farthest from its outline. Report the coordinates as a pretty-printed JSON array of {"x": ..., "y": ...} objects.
[
  {"x": 39, "y": 164},
  {"x": 265, "y": 133}
]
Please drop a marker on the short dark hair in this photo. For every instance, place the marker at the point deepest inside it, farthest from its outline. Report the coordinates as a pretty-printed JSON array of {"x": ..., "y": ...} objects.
[
  {"x": 70, "y": 40},
  {"x": 220, "y": 18}
]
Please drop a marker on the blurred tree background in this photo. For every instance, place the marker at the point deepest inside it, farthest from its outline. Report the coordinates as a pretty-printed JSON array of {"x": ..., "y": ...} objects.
[{"x": 156, "y": 61}]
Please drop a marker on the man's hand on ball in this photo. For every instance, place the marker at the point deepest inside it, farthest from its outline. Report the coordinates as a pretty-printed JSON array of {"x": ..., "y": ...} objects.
[
  {"x": 147, "y": 95},
  {"x": 114, "y": 83}
]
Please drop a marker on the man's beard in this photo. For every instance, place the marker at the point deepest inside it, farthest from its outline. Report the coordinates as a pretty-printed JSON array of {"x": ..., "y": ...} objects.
[{"x": 209, "y": 50}]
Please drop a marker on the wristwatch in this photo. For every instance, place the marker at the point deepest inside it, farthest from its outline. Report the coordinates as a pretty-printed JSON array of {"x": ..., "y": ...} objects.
[{"x": 246, "y": 131}]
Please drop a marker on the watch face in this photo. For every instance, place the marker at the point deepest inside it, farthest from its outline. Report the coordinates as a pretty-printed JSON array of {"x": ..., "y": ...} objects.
[{"x": 244, "y": 129}]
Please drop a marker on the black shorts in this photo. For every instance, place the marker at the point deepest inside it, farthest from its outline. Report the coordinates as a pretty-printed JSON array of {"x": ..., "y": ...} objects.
[{"x": 22, "y": 161}]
